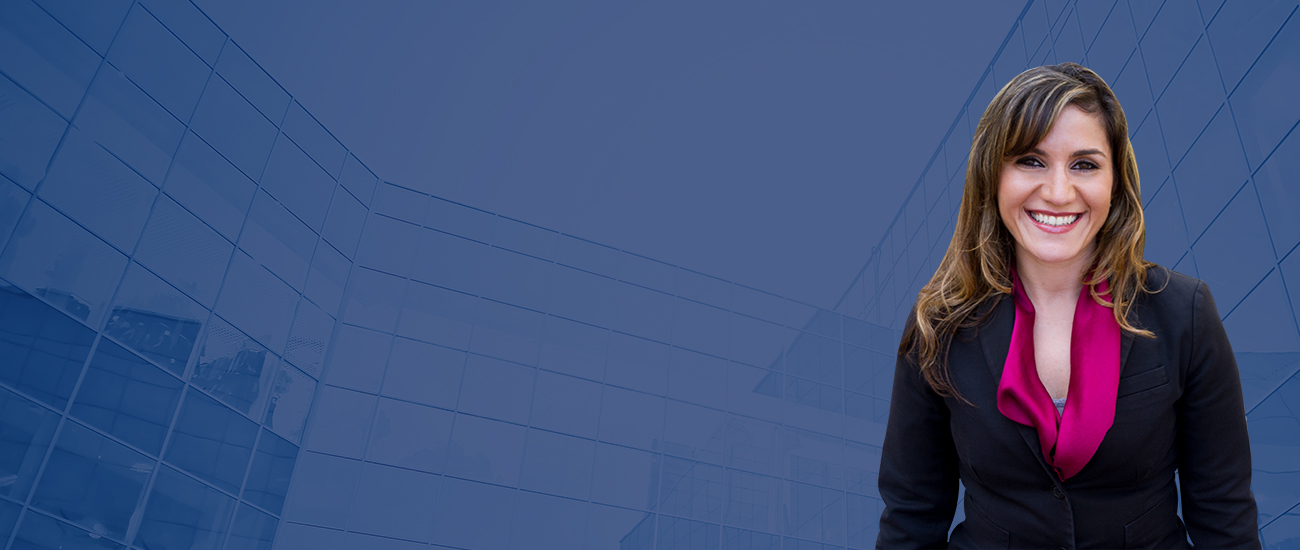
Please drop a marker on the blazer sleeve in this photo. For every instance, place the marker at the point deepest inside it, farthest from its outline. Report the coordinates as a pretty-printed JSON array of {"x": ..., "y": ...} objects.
[
  {"x": 1213, "y": 446},
  {"x": 918, "y": 465}
]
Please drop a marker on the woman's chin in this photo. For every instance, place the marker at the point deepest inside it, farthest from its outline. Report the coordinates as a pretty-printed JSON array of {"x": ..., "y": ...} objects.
[{"x": 1050, "y": 256}]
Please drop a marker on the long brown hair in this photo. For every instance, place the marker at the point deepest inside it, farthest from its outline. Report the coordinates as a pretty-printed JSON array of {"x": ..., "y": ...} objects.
[{"x": 976, "y": 268}]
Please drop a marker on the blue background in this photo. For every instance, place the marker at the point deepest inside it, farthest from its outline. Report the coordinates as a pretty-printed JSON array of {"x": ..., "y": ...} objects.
[{"x": 591, "y": 277}]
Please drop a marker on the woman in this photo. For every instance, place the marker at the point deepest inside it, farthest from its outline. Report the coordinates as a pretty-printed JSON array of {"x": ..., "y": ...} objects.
[{"x": 1048, "y": 367}]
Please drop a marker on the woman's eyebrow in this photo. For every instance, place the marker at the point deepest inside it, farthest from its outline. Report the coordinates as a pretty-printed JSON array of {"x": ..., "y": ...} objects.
[{"x": 1079, "y": 153}]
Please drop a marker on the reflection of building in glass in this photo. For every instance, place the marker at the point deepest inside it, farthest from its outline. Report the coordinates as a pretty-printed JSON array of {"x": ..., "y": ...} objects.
[
  {"x": 236, "y": 378},
  {"x": 41, "y": 351},
  {"x": 66, "y": 301},
  {"x": 164, "y": 338},
  {"x": 192, "y": 264}
]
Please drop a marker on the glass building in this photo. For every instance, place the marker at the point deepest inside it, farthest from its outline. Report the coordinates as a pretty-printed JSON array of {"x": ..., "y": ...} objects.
[{"x": 219, "y": 329}]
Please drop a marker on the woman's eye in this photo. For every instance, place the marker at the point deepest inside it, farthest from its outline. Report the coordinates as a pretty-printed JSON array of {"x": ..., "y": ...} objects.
[
  {"x": 1029, "y": 161},
  {"x": 1085, "y": 165}
]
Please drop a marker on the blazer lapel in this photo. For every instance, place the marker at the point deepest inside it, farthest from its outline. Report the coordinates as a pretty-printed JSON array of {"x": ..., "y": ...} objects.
[
  {"x": 995, "y": 334},
  {"x": 995, "y": 339},
  {"x": 1125, "y": 344}
]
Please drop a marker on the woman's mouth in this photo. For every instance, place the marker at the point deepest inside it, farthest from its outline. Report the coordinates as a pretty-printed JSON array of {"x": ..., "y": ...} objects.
[{"x": 1054, "y": 222}]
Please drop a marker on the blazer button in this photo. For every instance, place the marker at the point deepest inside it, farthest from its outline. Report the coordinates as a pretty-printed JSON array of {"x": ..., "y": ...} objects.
[{"x": 1056, "y": 492}]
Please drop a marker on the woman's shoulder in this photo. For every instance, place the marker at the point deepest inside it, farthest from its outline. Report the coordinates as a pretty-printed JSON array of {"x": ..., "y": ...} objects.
[
  {"x": 1160, "y": 278},
  {"x": 1168, "y": 292}
]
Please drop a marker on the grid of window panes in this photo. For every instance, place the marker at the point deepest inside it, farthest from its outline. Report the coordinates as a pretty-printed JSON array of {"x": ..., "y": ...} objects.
[
  {"x": 1207, "y": 89},
  {"x": 177, "y": 239},
  {"x": 495, "y": 384},
  {"x": 177, "y": 234},
  {"x": 177, "y": 248}
]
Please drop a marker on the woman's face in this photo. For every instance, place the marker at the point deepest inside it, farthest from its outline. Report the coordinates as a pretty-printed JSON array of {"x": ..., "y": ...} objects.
[{"x": 1055, "y": 198}]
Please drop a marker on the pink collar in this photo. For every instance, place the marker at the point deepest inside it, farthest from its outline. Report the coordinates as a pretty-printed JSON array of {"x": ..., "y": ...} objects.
[{"x": 1069, "y": 441}]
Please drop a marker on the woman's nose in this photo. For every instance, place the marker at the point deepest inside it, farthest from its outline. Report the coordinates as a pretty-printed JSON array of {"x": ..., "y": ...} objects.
[{"x": 1058, "y": 189}]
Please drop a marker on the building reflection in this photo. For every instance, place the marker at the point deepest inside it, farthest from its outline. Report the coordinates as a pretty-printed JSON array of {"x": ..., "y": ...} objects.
[
  {"x": 163, "y": 338},
  {"x": 233, "y": 378}
]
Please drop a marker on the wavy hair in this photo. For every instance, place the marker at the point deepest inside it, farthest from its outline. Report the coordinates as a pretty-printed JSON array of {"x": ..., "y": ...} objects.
[{"x": 975, "y": 270}]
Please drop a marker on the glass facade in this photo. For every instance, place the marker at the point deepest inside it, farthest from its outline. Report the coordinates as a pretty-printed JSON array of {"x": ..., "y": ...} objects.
[{"x": 219, "y": 329}]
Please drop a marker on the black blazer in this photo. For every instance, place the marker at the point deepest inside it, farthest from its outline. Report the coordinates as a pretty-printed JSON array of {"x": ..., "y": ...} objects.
[{"x": 1179, "y": 408}]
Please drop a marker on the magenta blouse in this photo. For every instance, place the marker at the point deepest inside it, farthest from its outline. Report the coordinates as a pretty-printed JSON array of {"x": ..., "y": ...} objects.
[{"x": 1070, "y": 439}]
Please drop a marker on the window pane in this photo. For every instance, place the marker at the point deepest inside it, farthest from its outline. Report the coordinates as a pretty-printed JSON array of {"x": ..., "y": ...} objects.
[
  {"x": 127, "y": 397},
  {"x": 184, "y": 514},
  {"x": 92, "y": 481}
]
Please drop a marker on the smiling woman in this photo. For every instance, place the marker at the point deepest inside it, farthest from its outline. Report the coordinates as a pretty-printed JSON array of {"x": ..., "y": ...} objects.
[
  {"x": 1054, "y": 198},
  {"x": 1061, "y": 378}
]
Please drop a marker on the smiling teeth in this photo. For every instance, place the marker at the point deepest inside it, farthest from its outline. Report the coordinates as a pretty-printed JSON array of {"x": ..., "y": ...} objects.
[{"x": 1054, "y": 220}]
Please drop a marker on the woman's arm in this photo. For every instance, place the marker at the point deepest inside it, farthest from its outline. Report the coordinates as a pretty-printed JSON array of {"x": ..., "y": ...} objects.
[
  {"x": 918, "y": 466},
  {"x": 1213, "y": 447}
]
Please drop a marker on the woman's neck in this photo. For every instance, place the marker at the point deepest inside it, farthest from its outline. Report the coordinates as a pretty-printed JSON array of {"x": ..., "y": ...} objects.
[{"x": 1051, "y": 283}]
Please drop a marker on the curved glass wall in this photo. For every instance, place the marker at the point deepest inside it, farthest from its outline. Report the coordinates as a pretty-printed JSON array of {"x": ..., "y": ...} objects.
[{"x": 219, "y": 329}]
